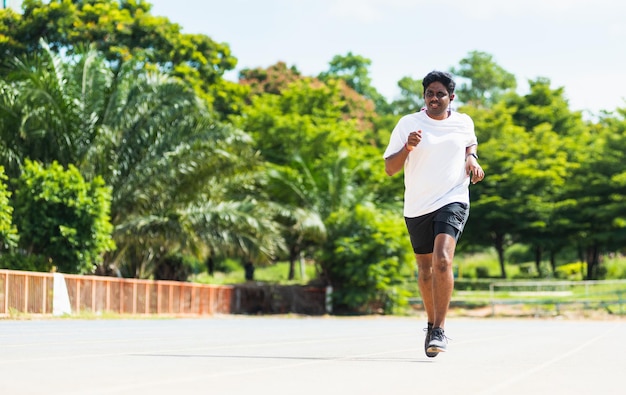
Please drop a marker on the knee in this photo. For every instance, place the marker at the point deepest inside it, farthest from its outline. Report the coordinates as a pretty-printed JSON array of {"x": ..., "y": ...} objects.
[
  {"x": 442, "y": 263},
  {"x": 424, "y": 275},
  {"x": 424, "y": 272}
]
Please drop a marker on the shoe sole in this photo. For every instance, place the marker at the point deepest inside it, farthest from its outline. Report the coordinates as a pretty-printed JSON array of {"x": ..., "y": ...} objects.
[{"x": 435, "y": 350}]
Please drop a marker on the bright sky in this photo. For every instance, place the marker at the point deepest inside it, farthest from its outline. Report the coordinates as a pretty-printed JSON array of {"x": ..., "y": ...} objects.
[{"x": 577, "y": 44}]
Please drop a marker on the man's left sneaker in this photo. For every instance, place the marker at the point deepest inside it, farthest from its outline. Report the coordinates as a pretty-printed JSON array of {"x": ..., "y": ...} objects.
[{"x": 438, "y": 341}]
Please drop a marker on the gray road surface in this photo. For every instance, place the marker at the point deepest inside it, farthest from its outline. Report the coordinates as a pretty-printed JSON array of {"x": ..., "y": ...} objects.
[{"x": 235, "y": 355}]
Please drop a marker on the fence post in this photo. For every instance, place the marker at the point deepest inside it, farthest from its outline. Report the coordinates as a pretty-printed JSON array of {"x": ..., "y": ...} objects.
[
  {"x": 158, "y": 309},
  {"x": 108, "y": 295},
  {"x": 493, "y": 302},
  {"x": 44, "y": 295},
  {"x": 121, "y": 284},
  {"x": 147, "y": 288},
  {"x": 93, "y": 295},
  {"x": 26, "y": 294},
  {"x": 135, "y": 296},
  {"x": 78, "y": 295},
  {"x": 171, "y": 298},
  {"x": 181, "y": 300},
  {"x": 6, "y": 293}
]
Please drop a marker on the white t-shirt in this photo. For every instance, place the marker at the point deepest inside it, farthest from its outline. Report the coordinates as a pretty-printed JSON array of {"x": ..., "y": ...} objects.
[{"x": 434, "y": 172}]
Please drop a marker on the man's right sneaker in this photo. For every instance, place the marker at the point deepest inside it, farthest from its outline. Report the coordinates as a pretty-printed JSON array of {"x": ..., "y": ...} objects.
[
  {"x": 429, "y": 330},
  {"x": 438, "y": 341}
]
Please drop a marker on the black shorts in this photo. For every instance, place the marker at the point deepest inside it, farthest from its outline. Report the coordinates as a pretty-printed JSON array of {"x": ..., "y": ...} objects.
[{"x": 449, "y": 219}]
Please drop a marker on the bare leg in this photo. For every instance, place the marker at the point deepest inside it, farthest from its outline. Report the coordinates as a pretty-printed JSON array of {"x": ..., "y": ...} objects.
[
  {"x": 442, "y": 277},
  {"x": 425, "y": 283}
]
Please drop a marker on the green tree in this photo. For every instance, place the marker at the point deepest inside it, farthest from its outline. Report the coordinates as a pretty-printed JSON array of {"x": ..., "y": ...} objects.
[
  {"x": 306, "y": 120},
  {"x": 335, "y": 99},
  {"x": 487, "y": 81},
  {"x": 354, "y": 71},
  {"x": 528, "y": 152},
  {"x": 320, "y": 166},
  {"x": 145, "y": 133},
  {"x": 548, "y": 169},
  {"x": 411, "y": 97},
  {"x": 274, "y": 79},
  {"x": 295, "y": 188},
  {"x": 526, "y": 171},
  {"x": 598, "y": 187},
  {"x": 495, "y": 201},
  {"x": 63, "y": 218},
  {"x": 334, "y": 192},
  {"x": 545, "y": 108},
  {"x": 544, "y": 104},
  {"x": 124, "y": 30}
]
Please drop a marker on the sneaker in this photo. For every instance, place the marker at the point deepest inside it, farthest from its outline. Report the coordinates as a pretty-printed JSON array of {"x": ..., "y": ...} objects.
[
  {"x": 438, "y": 341},
  {"x": 429, "y": 330}
]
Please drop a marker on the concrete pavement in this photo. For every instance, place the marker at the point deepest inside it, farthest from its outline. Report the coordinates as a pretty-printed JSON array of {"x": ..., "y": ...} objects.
[{"x": 235, "y": 355}]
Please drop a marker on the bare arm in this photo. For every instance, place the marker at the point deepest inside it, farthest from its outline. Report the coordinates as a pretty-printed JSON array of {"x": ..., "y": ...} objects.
[
  {"x": 395, "y": 162},
  {"x": 471, "y": 164}
]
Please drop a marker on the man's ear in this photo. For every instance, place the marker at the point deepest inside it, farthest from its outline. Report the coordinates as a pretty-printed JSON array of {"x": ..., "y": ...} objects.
[{"x": 452, "y": 96}]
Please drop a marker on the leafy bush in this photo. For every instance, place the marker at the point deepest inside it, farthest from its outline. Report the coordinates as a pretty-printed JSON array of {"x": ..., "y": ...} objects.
[
  {"x": 8, "y": 232},
  {"x": 62, "y": 218},
  {"x": 571, "y": 271},
  {"x": 519, "y": 253},
  {"x": 466, "y": 264},
  {"x": 615, "y": 267},
  {"x": 228, "y": 265},
  {"x": 366, "y": 259},
  {"x": 19, "y": 261},
  {"x": 176, "y": 267},
  {"x": 482, "y": 272}
]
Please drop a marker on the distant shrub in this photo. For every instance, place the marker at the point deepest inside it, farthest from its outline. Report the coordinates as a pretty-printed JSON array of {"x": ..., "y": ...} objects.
[
  {"x": 519, "y": 253},
  {"x": 571, "y": 271},
  {"x": 482, "y": 272}
]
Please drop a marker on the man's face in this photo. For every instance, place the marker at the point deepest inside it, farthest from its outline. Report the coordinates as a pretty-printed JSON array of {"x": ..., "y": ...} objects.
[{"x": 437, "y": 100}]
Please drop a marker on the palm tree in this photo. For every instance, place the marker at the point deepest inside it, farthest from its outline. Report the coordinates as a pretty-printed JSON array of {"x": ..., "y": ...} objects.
[
  {"x": 172, "y": 169},
  {"x": 310, "y": 195}
]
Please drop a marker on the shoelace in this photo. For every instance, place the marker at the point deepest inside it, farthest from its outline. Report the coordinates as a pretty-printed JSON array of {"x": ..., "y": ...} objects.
[{"x": 439, "y": 334}]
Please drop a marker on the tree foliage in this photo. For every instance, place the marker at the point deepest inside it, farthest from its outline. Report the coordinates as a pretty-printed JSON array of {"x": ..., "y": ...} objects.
[
  {"x": 598, "y": 217},
  {"x": 411, "y": 97},
  {"x": 486, "y": 81},
  {"x": 145, "y": 133},
  {"x": 321, "y": 170},
  {"x": 62, "y": 218},
  {"x": 124, "y": 30},
  {"x": 366, "y": 258},
  {"x": 8, "y": 232},
  {"x": 274, "y": 79},
  {"x": 541, "y": 160},
  {"x": 280, "y": 165},
  {"x": 354, "y": 71}
]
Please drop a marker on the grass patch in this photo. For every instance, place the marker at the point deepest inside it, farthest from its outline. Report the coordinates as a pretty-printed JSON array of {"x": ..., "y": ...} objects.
[{"x": 277, "y": 273}]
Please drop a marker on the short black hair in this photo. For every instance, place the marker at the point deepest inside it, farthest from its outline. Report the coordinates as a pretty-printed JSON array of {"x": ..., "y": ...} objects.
[{"x": 439, "y": 76}]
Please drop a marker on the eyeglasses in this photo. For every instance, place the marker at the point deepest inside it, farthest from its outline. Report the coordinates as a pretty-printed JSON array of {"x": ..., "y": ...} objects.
[{"x": 440, "y": 95}]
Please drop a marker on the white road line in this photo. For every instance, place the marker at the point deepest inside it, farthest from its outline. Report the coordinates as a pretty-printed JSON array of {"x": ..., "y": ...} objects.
[
  {"x": 204, "y": 376},
  {"x": 164, "y": 352}
]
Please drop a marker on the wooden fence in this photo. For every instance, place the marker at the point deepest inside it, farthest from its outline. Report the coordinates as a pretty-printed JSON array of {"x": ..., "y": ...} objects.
[{"x": 47, "y": 293}]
